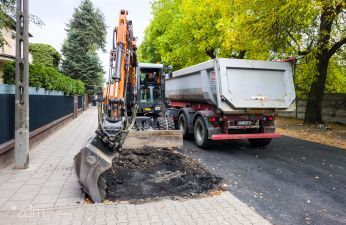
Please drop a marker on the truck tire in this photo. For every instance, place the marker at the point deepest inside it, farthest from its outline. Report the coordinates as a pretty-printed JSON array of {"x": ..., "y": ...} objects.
[
  {"x": 165, "y": 123},
  {"x": 182, "y": 125},
  {"x": 201, "y": 133},
  {"x": 260, "y": 142}
]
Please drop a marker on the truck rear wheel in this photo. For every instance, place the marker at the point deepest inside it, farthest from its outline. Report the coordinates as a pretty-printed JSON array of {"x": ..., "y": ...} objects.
[
  {"x": 260, "y": 142},
  {"x": 182, "y": 125},
  {"x": 201, "y": 133},
  {"x": 165, "y": 123}
]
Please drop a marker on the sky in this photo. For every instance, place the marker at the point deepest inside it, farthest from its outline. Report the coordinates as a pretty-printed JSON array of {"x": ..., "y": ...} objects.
[{"x": 55, "y": 14}]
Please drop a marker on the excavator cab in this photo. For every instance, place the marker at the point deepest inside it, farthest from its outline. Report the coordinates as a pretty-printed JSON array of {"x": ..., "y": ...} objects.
[
  {"x": 126, "y": 120},
  {"x": 150, "y": 95}
]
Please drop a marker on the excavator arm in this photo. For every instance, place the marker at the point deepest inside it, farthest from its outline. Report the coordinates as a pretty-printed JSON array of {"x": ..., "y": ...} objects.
[{"x": 119, "y": 93}]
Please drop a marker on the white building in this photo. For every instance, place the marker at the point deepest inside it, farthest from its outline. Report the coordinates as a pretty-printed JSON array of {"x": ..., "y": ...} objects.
[{"x": 8, "y": 52}]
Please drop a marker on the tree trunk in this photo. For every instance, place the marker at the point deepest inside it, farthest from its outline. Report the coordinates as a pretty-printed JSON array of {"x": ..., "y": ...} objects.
[
  {"x": 241, "y": 54},
  {"x": 313, "y": 113},
  {"x": 210, "y": 53}
]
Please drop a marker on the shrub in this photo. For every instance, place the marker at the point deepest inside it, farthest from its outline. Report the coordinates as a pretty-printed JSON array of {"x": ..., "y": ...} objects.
[
  {"x": 9, "y": 73},
  {"x": 44, "y": 55},
  {"x": 47, "y": 78}
]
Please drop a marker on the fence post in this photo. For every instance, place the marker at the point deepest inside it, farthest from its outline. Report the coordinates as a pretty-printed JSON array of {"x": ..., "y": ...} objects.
[
  {"x": 86, "y": 102},
  {"x": 75, "y": 106},
  {"x": 21, "y": 152}
]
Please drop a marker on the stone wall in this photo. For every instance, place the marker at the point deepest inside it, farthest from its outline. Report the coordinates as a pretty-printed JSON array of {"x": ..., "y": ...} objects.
[{"x": 334, "y": 109}]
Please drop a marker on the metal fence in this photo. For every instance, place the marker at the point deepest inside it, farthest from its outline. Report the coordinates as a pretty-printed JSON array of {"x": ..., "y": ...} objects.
[
  {"x": 6, "y": 117},
  {"x": 44, "y": 109},
  {"x": 80, "y": 102}
]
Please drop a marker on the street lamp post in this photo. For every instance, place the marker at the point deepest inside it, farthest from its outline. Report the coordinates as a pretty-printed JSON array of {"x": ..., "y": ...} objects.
[{"x": 22, "y": 85}]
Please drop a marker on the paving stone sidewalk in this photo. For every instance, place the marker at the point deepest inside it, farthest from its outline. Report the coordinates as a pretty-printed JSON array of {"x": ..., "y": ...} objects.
[{"x": 48, "y": 192}]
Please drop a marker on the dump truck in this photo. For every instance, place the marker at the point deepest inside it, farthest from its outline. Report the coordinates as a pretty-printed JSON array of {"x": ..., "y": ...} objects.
[{"x": 230, "y": 99}]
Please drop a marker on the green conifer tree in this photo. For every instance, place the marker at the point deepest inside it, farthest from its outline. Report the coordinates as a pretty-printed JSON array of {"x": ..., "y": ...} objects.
[{"x": 86, "y": 34}]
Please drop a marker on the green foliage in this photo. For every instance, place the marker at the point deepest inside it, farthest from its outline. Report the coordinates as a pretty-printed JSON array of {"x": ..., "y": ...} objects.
[
  {"x": 5, "y": 20},
  {"x": 305, "y": 75},
  {"x": 186, "y": 32},
  {"x": 9, "y": 73},
  {"x": 336, "y": 80},
  {"x": 86, "y": 33},
  {"x": 148, "y": 52},
  {"x": 181, "y": 32},
  {"x": 47, "y": 78},
  {"x": 45, "y": 55}
]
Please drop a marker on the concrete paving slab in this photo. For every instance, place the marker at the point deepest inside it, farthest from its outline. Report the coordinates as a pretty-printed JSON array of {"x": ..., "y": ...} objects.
[
  {"x": 45, "y": 198},
  {"x": 21, "y": 196},
  {"x": 15, "y": 205},
  {"x": 7, "y": 193}
]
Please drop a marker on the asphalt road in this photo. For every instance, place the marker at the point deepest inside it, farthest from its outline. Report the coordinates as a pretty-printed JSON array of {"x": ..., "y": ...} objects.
[{"x": 291, "y": 181}]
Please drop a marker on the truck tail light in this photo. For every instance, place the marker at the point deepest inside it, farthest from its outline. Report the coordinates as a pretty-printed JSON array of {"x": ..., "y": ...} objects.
[
  {"x": 268, "y": 118},
  {"x": 213, "y": 119}
]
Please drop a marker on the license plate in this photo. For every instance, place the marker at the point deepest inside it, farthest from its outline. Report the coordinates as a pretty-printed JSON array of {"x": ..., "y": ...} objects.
[{"x": 244, "y": 123}]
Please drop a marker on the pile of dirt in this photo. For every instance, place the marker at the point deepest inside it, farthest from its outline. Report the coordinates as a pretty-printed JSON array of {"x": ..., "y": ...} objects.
[{"x": 152, "y": 173}]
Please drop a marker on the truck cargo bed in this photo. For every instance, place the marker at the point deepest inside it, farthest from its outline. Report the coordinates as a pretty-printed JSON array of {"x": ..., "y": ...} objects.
[{"x": 233, "y": 84}]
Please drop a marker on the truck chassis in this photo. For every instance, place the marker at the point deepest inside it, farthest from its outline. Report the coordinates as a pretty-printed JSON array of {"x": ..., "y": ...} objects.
[{"x": 206, "y": 124}]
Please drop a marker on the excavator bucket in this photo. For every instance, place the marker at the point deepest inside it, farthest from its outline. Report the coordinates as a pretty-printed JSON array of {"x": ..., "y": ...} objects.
[{"x": 93, "y": 160}]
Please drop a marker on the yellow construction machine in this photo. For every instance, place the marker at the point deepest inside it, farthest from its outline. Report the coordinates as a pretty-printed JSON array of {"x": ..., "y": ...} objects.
[{"x": 119, "y": 125}]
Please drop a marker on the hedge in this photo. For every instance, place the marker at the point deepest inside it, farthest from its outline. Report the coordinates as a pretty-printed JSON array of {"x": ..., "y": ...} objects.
[
  {"x": 44, "y": 55},
  {"x": 47, "y": 78}
]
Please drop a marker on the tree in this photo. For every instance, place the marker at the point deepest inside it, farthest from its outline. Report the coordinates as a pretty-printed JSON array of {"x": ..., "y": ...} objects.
[
  {"x": 5, "y": 20},
  {"x": 8, "y": 15},
  {"x": 313, "y": 29},
  {"x": 327, "y": 45},
  {"x": 86, "y": 34},
  {"x": 185, "y": 32},
  {"x": 45, "y": 55},
  {"x": 182, "y": 32}
]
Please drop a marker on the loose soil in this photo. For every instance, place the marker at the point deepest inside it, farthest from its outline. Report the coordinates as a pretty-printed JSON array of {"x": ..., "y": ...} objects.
[
  {"x": 151, "y": 173},
  {"x": 329, "y": 134}
]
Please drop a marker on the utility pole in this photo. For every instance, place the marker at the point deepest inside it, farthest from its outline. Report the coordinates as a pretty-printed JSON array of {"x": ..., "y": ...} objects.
[{"x": 21, "y": 153}]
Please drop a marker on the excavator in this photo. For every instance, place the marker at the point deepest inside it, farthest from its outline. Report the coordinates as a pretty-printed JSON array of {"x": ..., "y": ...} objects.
[{"x": 122, "y": 121}]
